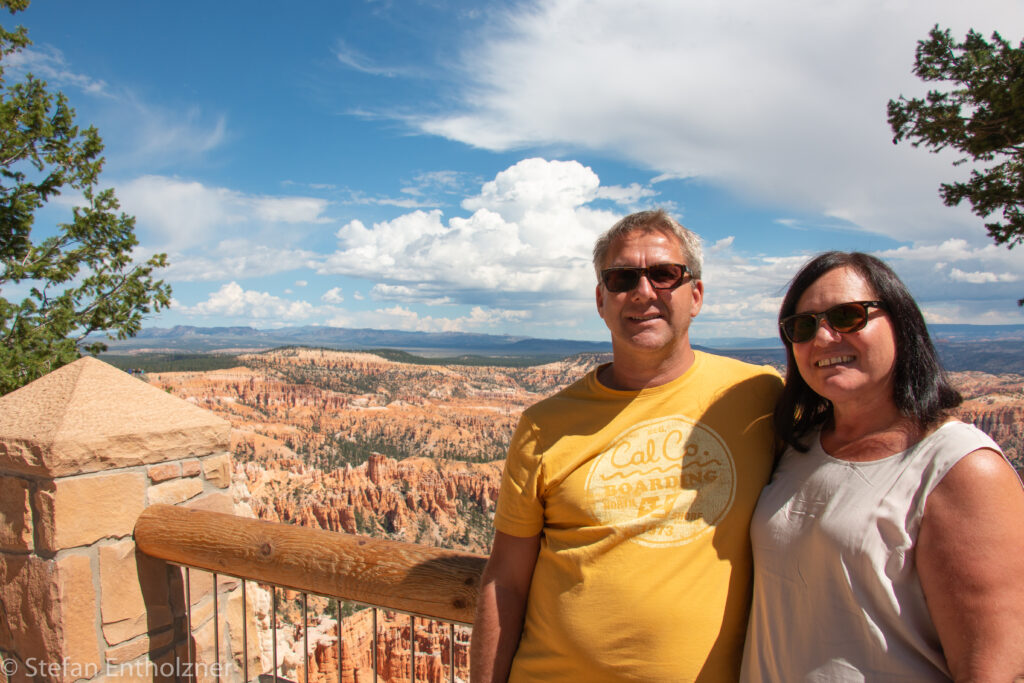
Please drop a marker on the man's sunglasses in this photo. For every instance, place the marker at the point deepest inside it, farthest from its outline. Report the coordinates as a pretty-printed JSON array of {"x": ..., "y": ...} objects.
[
  {"x": 848, "y": 317},
  {"x": 660, "y": 275}
]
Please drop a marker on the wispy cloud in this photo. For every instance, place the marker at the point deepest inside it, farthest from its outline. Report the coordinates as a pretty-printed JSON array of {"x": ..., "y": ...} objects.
[
  {"x": 352, "y": 58},
  {"x": 177, "y": 214},
  {"x": 238, "y": 259},
  {"x": 781, "y": 102},
  {"x": 146, "y": 133},
  {"x": 165, "y": 135},
  {"x": 48, "y": 63}
]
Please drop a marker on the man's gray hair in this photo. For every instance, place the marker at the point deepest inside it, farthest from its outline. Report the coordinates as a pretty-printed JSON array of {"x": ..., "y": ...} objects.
[{"x": 655, "y": 220}]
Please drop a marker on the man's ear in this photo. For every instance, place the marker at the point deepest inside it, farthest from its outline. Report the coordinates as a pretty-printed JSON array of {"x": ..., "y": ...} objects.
[
  {"x": 599, "y": 296},
  {"x": 698, "y": 297}
]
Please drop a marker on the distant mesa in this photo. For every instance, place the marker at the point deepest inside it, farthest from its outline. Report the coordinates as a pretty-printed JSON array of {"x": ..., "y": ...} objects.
[
  {"x": 985, "y": 348},
  {"x": 188, "y": 338}
]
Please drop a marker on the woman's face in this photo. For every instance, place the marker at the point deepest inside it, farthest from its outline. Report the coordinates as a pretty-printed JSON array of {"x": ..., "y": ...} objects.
[{"x": 851, "y": 368}]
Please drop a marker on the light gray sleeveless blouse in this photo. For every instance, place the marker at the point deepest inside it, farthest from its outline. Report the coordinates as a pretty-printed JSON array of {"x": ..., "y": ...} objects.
[{"x": 836, "y": 592}]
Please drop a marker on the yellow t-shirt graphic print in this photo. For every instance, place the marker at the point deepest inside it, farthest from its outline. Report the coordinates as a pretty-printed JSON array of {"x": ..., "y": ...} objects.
[
  {"x": 643, "y": 501},
  {"x": 672, "y": 477}
]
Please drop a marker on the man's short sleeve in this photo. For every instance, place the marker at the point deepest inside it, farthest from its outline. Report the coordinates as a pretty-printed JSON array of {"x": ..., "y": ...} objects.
[{"x": 520, "y": 510}]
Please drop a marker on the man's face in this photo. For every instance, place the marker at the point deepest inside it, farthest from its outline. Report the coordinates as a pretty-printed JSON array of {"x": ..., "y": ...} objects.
[{"x": 645, "y": 320}]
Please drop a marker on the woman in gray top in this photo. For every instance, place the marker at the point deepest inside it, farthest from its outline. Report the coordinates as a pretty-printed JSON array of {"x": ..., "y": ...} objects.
[{"x": 889, "y": 545}]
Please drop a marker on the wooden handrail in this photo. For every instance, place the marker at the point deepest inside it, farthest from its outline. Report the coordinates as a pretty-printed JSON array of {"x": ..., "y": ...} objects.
[{"x": 403, "y": 576}]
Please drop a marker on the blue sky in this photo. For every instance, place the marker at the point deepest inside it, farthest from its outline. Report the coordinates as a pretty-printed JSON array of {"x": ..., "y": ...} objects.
[{"x": 437, "y": 165}]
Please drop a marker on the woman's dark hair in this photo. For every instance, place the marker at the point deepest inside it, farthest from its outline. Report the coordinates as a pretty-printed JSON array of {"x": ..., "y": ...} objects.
[{"x": 921, "y": 389}]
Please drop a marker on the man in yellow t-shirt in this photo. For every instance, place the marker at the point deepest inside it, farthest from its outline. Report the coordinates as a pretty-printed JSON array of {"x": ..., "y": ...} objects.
[{"x": 621, "y": 549}]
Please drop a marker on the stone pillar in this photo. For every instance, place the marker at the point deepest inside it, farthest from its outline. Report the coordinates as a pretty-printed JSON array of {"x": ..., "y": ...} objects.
[{"x": 83, "y": 451}]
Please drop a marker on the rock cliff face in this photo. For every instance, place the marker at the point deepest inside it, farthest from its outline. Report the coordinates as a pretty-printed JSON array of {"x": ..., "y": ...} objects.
[
  {"x": 420, "y": 500},
  {"x": 995, "y": 403},
  {"x": 352, "y": 442},
  {"x": 394, "y": 652},
  {"x": 334, "y": 408}
]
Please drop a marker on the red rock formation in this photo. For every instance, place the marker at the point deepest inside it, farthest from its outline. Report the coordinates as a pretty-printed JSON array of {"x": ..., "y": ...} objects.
[
  {"x": 351, "y": 442},
  {"x": 393, "y": 649},
  {"x": 995, "y": 403}
]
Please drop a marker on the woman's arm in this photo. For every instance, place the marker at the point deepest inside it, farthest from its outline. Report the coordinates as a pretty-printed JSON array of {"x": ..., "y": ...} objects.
[{"x": 970, "y": 557}]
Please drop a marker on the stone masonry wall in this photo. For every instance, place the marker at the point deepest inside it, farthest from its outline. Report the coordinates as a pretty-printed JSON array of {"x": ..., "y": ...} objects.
[{"x": 83, "y": 451}]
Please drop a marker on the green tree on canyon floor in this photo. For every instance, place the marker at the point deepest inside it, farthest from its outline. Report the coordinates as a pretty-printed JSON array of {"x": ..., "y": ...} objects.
[
  {"x": 81, "y": 279},
  {"x": 980, "y": 113}
]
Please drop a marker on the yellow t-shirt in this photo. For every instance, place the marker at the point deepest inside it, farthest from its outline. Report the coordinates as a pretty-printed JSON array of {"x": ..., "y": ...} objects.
[{"x": 644, "y": 501}]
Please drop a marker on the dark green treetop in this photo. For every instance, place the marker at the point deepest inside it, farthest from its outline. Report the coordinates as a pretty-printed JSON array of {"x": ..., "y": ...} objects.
[
  {"x": 980, "y": 113},
  {"x": 82, "y": 279}
]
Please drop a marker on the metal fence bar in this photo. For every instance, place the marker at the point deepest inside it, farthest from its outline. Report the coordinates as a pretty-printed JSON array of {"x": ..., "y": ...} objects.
[
  {"x": 418, "y": 615},
  {"x": 375, "y": 645},
  {"x": 305, "y": 637},
  {"x": 451, "y": 653},
  {"x": 216, "y": 627},
  {"x": 337, "y": 612},
  {"x": 273, "y": 629},
  {"x": 188, "y": 619},
  {"x": 245, "y": 640},
  {"x": 453, "y": 636}
]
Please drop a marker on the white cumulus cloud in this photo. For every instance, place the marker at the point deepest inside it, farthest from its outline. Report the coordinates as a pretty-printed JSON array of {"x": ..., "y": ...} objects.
[
  {"x": 403, "y": 318},
  {"x": 982, "y": 277},
  {"x": 232, "y": 301},
  {"x": 332, "y": 296},
  {"x": 530, "y": 231}
]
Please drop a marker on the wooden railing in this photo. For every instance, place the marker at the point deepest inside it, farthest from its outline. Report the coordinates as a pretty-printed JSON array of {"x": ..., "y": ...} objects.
[{"x": 420, "y": 580}]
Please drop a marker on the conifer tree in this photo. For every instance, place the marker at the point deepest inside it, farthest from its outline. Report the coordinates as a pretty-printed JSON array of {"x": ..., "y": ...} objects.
[
  {"x": 81, "y": 279},
  {"x": 980, "y": 113}
]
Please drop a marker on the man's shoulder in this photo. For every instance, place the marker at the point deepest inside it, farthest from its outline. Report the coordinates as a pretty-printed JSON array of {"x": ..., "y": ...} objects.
[
  {"x": 581, "y": 390},
  {"x": 732, "y": 368}
]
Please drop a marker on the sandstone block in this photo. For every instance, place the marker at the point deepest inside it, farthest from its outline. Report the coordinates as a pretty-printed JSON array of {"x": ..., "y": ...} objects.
[
  {"x": 140, "y": 670},
  {"x": 89, "y": 416},
  {"x": 218, "y": 470},
  {"x": 200, "y": 585},
  {"x": 49, "y": 615},
  {"x": 29, "y": 594},
  {"x": 122, "y": 606},
  {"x": 203, "y": 612},
  {"x": 153, "y": 580},
  {"x": 251, "y": 645},
  {"x": 176, "y": 589},
  {"x": 135, "y": 598},
  {"x": 166, "y": 668},
  {"x": 133, "y": 649},
  {"x": 191, "y": 468},
  {"x": 129, "y": 672},
  {"x": 205, "y": 654},
  {"x": 174, "y": 492},
  {"x": 15, "y": 514},
  {"x": 214, "y": 502},
  {"x": 79, "y": 511},
  {"x": 78, "y": 611},
  {"x": 164, "y": 471}
]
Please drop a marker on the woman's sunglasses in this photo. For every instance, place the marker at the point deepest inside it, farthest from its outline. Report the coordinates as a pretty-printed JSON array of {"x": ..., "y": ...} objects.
[
  {"x": 848, "y": 317},
  {"x": 660, "y": 275}
]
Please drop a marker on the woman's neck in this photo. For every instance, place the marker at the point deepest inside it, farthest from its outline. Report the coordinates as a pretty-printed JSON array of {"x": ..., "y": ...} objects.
[{"x": 865, "y": 433}]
